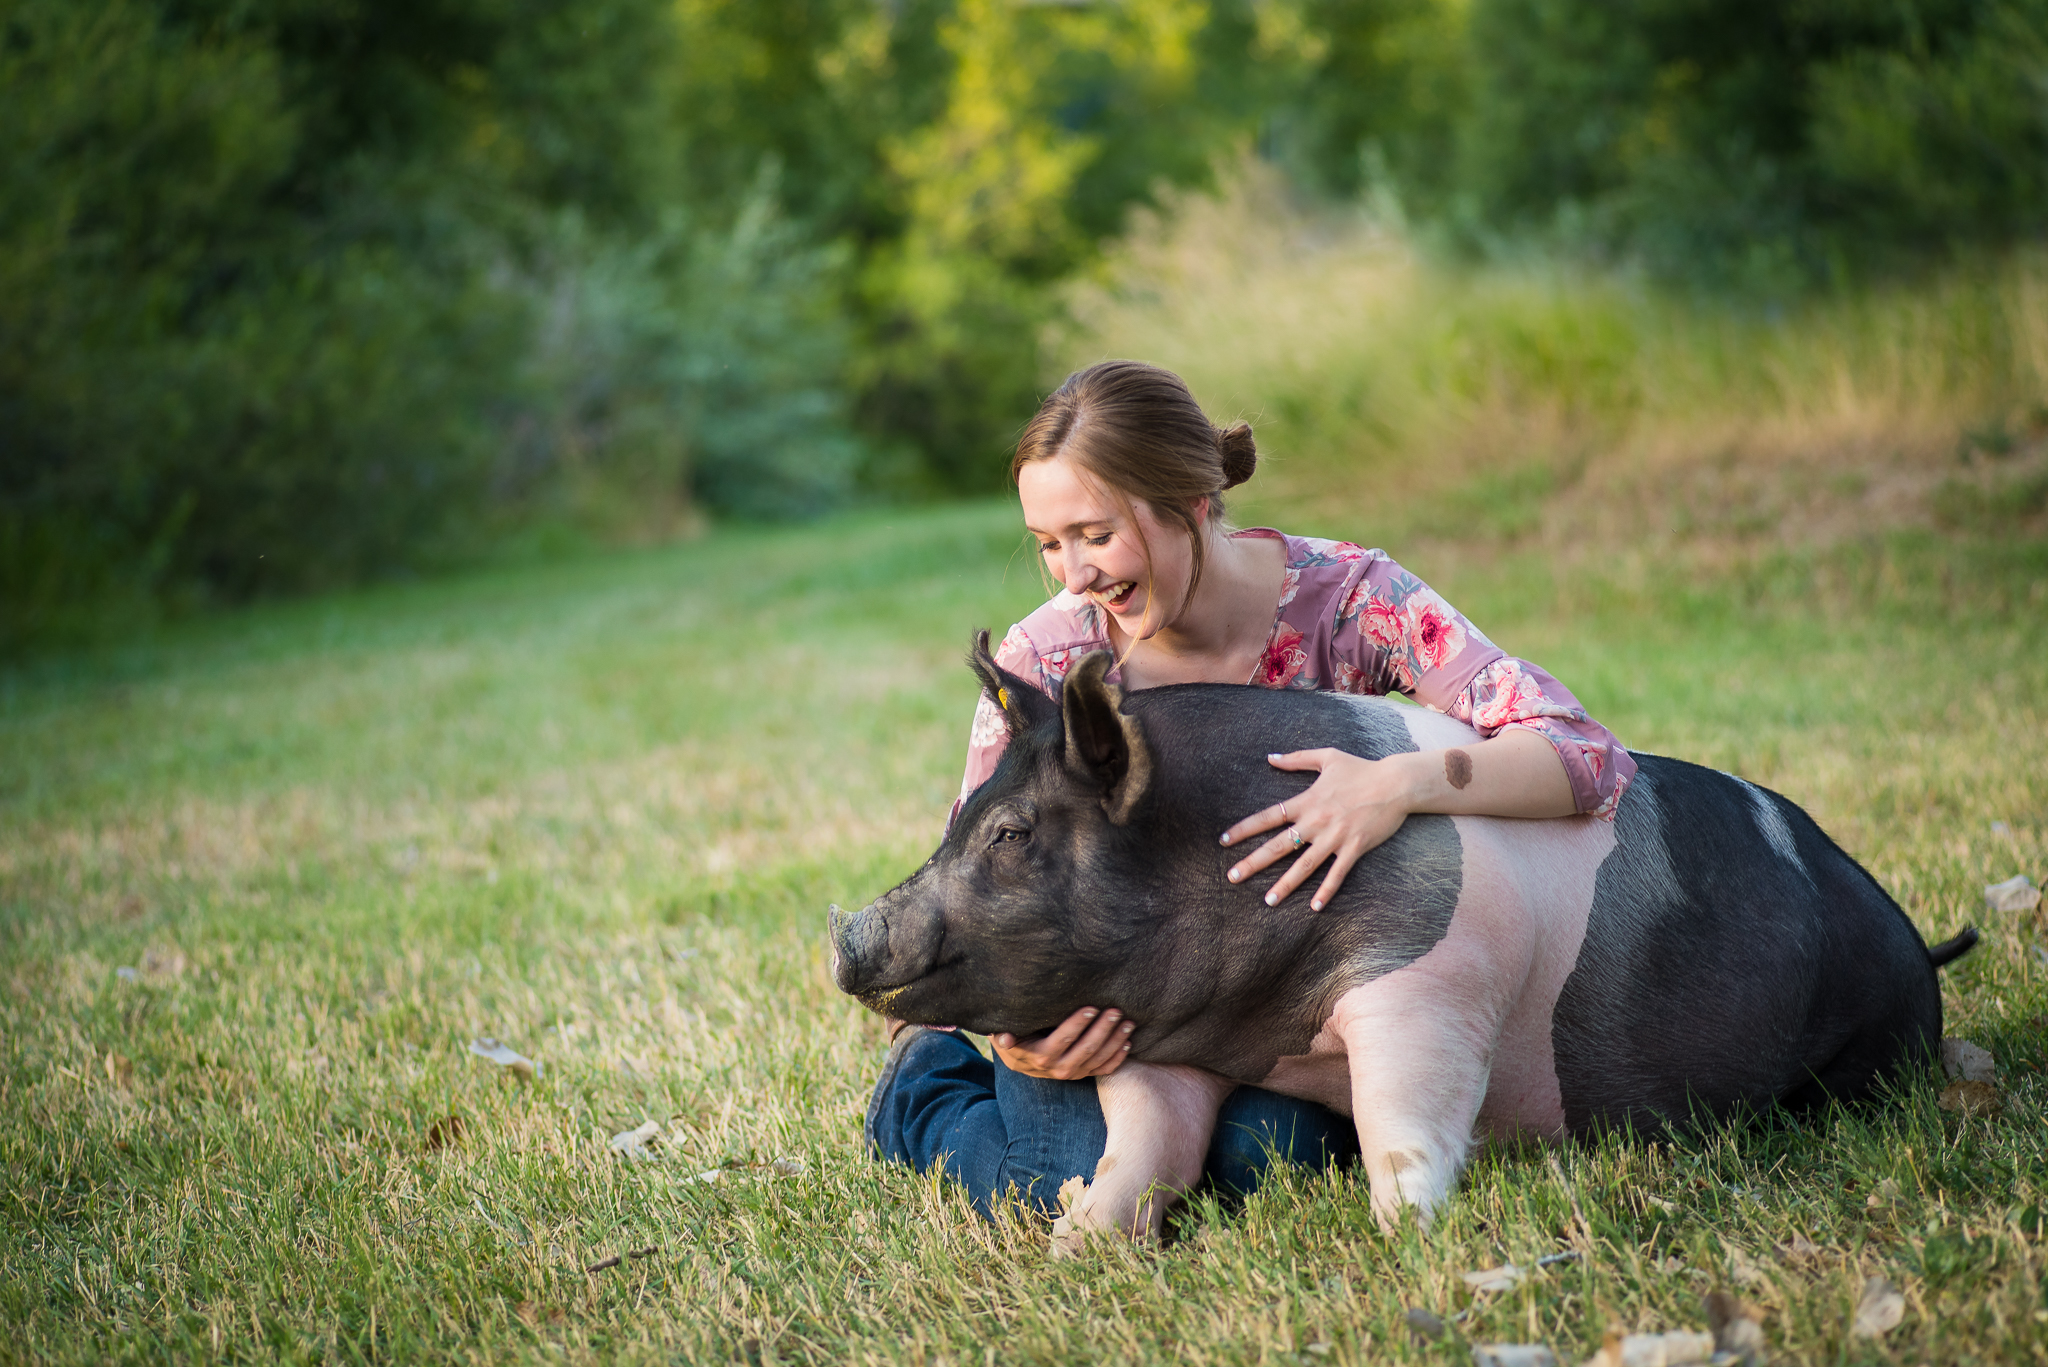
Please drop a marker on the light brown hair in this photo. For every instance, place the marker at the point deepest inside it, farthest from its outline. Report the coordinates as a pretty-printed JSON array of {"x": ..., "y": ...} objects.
[{"x": 1136, "y": 430}]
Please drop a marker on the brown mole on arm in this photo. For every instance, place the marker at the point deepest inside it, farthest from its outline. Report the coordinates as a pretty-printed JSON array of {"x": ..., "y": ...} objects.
[{"x": 1457, "y": 768}]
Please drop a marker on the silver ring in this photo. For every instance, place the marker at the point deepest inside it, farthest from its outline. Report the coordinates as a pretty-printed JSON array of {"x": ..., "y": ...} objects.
[{"x": 1295, "y": 831}]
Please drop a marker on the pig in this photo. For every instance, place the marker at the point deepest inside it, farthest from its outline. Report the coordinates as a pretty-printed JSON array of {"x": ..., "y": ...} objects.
[{"x": 1708, "y": 953}]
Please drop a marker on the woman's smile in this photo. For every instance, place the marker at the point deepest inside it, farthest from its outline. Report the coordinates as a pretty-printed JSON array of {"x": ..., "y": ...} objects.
[
  {"x": 1117, "y": 596},
  {"x": 1096, "y": 547}
]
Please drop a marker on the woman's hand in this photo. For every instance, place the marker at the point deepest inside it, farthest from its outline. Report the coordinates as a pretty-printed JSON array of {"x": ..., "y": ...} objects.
[
  {"x": 1354, "y": 805},
  {"x": 1089, "y": 1043}
]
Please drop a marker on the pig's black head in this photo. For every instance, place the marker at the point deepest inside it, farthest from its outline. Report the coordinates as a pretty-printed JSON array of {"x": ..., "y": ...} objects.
[{"x": 1029, "y": 906}]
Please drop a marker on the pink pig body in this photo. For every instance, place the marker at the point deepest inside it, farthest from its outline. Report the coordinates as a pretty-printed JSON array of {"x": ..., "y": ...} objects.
[{"x": 1452, "y": 1048}]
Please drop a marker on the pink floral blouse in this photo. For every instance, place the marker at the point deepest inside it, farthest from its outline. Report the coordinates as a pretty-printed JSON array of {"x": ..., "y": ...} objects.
[{"x": 1349, "y": 621}]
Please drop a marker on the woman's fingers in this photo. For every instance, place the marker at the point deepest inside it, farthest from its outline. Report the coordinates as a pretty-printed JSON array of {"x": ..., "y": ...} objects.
[
  {"x": 1258, "y": 822},
  {"x": 1086, "y": 1044},
  {"x": 1110, "y": 1054},
  {"x": 1340, "y": 869},
  {"x": 1313, "y": 760},
  {"x": 1266, "y": 818},
  {"x": 1296, "y": 875},
  {"x": 1060, "y": 1042},
  {"x": 1269, "y": 854}
]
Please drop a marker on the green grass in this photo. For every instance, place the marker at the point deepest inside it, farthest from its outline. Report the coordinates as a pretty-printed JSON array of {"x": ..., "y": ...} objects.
[{"x": 597, "y": 810}]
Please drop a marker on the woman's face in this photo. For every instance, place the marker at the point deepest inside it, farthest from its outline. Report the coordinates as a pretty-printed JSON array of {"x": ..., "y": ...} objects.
[{"x": 1090, "y": 545}]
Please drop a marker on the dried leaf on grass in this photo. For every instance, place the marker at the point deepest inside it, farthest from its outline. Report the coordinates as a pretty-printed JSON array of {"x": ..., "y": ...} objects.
[
  {"x": 781, "y": 1167},
  {"x": 163, "y": 964},
  {"x": 1970, "y": 1098},
  {"x": 445, "y": 1133},
  {"x": 512, "y": 1061},
  {"x": 1678, "y": 1348},
  {"x": 1799, "y": 1249},
  {"x": 1422, "y": 1324},
  {"x": 1879, "y": 1312},
  {"x": 1512, "y": 1355},
  {"x": 2016, "y": 893},
  {"x": 1738, "y": 1329},
  {"x": 1506, "y": 1277},
  {"x": 533, "y": 1312},
  {"x": 1744, "y": 1270},
  {"x": 643, "y": 1142},
  {"x": 1964, "y": 1061},
  {"x": 615, "y": 1259}
]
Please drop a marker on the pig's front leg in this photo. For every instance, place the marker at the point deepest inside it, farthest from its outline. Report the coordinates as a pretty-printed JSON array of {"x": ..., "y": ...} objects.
[
  {"x": 1159, "y": 1117},
  {"x": 1420, "y": 1060}
]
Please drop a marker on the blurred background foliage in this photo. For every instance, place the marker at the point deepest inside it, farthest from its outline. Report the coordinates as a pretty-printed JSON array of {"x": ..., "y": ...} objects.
[{"x": 309, "y": 291}]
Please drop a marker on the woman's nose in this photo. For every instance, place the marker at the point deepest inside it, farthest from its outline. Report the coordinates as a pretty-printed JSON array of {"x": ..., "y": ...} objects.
[{"x": 1076, "y": 573}]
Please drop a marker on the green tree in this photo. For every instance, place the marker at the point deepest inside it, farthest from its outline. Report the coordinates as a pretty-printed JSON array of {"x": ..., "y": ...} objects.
[{"x": 1761, "y": 142}]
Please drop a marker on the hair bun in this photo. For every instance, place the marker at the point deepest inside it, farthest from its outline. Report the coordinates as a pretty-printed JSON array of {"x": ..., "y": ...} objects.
[{"x": 1239, "y": 452}]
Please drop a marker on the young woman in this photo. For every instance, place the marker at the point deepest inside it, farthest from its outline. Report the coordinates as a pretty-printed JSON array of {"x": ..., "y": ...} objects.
[{"x": 1121, "y": 477}]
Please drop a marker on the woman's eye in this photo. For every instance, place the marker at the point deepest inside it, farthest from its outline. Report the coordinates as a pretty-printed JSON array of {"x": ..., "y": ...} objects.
[
  {"x": 1048, "y": 547},
  {"x": 1102, "y": 540}
]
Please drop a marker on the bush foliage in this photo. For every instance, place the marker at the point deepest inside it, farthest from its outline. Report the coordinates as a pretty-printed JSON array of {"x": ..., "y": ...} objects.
[{"x": 310, "y": 291}]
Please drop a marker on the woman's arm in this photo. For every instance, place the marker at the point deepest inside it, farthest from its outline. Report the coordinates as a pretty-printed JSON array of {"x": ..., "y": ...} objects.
[
  {"x": 1357, "y": 803},
  {"x": 1540, "y": 754}
]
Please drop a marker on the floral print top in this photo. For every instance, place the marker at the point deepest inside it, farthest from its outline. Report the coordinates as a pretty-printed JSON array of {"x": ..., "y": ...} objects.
[{"x": 1349, "y": 621}]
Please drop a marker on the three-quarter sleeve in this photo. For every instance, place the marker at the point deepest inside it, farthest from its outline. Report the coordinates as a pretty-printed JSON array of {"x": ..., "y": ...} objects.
[{"x": 1395, "y": 634}]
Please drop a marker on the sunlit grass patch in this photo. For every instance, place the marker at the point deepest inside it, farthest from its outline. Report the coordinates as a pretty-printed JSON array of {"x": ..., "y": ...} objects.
[{"x": 597, "y": 815}]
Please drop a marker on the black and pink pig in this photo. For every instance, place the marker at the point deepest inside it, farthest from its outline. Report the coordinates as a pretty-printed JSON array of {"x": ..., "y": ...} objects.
[{"x": 1709, "y": 951}]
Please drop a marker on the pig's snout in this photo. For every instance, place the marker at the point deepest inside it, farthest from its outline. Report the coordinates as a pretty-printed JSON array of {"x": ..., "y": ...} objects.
[{"x": 860, "y": 947}]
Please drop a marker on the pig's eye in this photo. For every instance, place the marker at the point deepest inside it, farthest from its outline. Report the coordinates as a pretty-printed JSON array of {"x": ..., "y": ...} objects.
[{"x": 1010, "y": 835}]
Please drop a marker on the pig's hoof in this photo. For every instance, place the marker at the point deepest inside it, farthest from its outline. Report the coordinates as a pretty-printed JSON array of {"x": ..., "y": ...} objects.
[{"x": 1069, "y": 1237}]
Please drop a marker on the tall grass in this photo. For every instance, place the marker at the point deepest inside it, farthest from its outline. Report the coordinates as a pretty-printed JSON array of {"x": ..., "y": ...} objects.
[{"x": 1535, "y": 401}]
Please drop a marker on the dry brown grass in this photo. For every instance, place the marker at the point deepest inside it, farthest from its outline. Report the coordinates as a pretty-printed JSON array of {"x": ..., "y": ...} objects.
[{"x": 1572, "y": 408}]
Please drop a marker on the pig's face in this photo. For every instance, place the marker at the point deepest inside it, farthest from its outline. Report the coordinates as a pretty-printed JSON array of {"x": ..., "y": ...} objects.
[{"x": 1004, "y": 928}]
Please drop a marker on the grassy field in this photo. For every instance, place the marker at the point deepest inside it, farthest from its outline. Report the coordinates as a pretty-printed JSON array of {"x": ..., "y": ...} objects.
[{"x": 263, "y": 878}]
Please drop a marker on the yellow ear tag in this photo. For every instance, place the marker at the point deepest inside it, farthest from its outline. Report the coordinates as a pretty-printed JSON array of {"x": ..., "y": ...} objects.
[{"x": 1003, "y": 698}]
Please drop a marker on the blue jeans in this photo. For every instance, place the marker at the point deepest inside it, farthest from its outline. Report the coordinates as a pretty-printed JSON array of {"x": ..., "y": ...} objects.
[{"x": 998, "y": 1131}]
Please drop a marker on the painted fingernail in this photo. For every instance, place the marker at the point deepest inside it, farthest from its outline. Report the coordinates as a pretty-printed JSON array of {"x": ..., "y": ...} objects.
[
  {"x": 1235, "y": 875},
  {"x": 1088, "y": 1014},
  {"x": 1226, "y": 838},
  {"x": 1113, "y": 1015},
  {"x": 1271, "y": 758},
  {"x": 1130, "y": 1026},
  {"x": 1272, "y": 900},
  {"x": 1316, "y": 905}
]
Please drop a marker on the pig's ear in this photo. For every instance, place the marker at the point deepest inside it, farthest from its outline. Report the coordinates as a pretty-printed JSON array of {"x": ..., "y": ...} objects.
[
  {"x": 1023, "y": 707},
  {"x": 1104, "y": 747}
]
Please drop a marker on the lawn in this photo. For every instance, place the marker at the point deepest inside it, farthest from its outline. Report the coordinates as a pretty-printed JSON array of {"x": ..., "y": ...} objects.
[{"x": 265, "y": 876}]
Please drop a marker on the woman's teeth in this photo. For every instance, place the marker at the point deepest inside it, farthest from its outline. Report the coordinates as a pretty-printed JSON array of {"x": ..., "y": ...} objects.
[{"x": 1116, "y": 595}]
